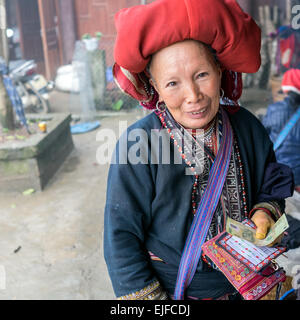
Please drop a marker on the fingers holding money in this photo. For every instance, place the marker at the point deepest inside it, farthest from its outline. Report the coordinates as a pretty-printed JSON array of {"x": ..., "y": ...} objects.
[
  {"x": 274, "y": 231},
  {"x": 263, "y": 223}
]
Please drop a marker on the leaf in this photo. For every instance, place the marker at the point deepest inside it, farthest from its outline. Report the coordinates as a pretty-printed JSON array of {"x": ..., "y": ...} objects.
[
  {"x": 28, "y": 192},
  {"x": 10, "y": 137},
  {"x": 13, "y": 206},
  {"x": 5, "y": 130}
]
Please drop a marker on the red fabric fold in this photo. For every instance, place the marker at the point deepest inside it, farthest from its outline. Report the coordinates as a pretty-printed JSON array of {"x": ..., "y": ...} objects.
[
  {"x": 291, "y": 81},
  {"x": 145, "y": 29}
]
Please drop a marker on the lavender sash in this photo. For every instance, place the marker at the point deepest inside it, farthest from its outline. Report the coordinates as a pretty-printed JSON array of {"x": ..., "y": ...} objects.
[{"x": 207, "y": 206}]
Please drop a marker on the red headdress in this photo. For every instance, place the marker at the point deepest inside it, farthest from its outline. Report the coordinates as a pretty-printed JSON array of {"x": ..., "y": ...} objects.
[
  {"x": 291, "y": 81},
  {"x": 145, "y": 29}
]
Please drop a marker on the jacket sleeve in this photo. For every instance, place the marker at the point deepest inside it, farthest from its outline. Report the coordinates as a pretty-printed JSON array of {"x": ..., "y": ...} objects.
[
  {"x": 269, "y": 119},
  {"x": 276, "y": 117},
  {"x": 268, "y": 182},
  {"x": 127, "y": 216},
  {"x": 277, "y": 184}
]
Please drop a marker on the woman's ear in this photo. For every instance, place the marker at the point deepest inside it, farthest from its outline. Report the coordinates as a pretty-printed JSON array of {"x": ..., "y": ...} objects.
[
  {"x": 153, "y": 84},
  {"x": 220, "y": 72}
]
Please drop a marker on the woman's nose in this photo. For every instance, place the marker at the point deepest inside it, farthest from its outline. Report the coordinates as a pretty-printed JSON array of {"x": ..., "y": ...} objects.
[{"x": 193, "y": 93}]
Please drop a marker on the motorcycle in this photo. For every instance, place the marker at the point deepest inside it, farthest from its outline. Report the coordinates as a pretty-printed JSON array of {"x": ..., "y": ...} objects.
[{"x": 33, "y": 88}]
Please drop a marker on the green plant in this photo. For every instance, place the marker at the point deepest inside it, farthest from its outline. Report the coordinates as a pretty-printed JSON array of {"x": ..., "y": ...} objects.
[
  {"x": 86, "y": 36},
  {"x": 98, "y": 35}
]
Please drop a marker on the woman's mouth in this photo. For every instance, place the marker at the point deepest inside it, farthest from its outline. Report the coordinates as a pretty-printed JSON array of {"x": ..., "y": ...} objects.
[{"x": 200, "y": 113}]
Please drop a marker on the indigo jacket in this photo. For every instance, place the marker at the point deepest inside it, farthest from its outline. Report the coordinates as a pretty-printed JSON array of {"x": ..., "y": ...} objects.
[
  {"x": 148, "y": 207},
  {"x": 288, "y": 153}
]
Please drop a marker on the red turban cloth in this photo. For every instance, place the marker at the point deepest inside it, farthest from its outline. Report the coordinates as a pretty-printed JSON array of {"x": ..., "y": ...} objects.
[
  {"x": 291, "y": 81},
  {"x": 145, "y": 29}
]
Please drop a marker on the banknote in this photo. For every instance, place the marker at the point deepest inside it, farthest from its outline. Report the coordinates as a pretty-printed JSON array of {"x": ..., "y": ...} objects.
[{"x": 247, "y": 233}]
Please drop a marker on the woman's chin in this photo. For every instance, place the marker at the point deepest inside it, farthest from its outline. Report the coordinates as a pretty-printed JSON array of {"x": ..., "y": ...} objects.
[
  {"x": 195, "y": 120},
  {"x": 197, "y": 123}
]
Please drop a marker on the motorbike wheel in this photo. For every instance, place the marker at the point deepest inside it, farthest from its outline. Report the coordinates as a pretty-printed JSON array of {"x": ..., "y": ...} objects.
[{"x": 42, "y": 106}]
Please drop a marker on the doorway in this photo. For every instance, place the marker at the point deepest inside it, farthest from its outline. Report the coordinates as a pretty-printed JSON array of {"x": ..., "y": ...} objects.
[{"x": 37, "y": 25}]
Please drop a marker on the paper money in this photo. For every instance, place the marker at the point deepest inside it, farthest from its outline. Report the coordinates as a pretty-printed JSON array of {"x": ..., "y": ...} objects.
[{"x": 244, "y": 232}]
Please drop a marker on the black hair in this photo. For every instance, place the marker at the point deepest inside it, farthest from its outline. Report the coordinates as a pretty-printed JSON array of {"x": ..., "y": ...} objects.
[
  {"x": 213, "y": 52},
  {"x": 294, "y": 98}
]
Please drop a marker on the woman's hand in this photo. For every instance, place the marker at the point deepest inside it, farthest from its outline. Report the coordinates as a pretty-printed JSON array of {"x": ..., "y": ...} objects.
[{"x": 263, "y": 223}]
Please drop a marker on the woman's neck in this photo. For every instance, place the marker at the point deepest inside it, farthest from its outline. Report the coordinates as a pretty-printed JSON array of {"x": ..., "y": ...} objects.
[{"x": 207, "y": 128}]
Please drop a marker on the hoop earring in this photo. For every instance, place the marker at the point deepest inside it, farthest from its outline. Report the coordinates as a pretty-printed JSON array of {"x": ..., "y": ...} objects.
[
  {"x": 160, "y": 106},
  {"x": 222, "y": 93}
]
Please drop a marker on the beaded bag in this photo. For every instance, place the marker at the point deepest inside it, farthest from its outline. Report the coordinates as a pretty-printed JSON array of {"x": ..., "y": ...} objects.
[{"x": 252, "y": 285}]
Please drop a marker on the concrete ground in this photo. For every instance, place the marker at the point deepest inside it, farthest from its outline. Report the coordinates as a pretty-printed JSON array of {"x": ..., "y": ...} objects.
[{"x": 51, "y": 241}]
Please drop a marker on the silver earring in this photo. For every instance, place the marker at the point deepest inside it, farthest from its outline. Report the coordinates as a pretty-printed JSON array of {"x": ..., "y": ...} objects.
[
  {"x": 222, "y": 93},
  {"x": 160, "y": 106}
]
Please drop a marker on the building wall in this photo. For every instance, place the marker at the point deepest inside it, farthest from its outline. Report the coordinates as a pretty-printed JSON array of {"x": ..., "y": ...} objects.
[
  {"x": 98, "y": 15},
  {"x": 67, "y": 28}
]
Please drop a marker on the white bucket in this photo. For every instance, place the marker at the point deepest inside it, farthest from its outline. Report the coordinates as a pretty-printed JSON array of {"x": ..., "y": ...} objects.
[{"x": 91, "y": 44}]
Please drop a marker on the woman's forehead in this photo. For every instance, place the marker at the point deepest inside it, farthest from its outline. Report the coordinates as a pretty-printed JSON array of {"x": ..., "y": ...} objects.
[{"x": 188, "y": 51}]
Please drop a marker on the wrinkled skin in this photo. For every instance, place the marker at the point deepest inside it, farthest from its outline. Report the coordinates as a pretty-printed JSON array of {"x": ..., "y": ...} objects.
[{"x": 188, "y": 81}]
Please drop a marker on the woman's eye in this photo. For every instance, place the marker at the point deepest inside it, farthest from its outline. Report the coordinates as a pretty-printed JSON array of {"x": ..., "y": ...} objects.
[
  {"x": 171, "y": 84},
  {"x": 202, "y": 74}
]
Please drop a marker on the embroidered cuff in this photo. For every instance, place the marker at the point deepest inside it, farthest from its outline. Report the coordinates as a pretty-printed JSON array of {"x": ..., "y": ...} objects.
[
  {"x": 268, "y": 212},
  {"x": 272, "y": 207},
  {"x": 153, "y": 291}
]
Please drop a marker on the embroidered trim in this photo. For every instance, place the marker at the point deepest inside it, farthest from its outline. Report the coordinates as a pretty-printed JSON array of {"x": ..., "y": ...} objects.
[
  {"x": 199, "y": 151},
  {"x": 154, "y": 257},
  {"x": 153, "y": 291},
  {"x": 272, "y": 206},
  {"x": 233, "y": 200},
  {"x": 276, "y": 206},
  {"x": 249, "y": 284},
  {"x": 267, "y": 211}
]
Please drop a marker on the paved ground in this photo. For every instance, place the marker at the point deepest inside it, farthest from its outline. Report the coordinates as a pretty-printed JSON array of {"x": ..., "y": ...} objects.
[{"x": 51, "y": 242}]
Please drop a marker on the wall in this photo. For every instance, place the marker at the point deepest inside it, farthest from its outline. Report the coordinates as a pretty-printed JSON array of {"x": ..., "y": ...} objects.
[
  {"x": 98, "y": 15},
  {"x": 67, "y": 28}
]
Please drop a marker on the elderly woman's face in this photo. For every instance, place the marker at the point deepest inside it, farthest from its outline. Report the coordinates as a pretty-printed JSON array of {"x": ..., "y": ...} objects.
[{"x": 188, "y": 80}]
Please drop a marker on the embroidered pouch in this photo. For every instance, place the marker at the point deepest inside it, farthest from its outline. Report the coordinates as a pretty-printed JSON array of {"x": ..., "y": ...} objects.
[
  {"x": 255, "y": 258},
  {"x": 251, "y": 285}
]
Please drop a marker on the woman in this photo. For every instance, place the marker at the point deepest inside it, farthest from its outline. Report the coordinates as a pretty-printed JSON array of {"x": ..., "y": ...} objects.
[
  {"x": 288, "y": 151},
  {"x": 179, "y": 58},
  {"x": 278, "y": 115},
  {"x": 289, "y": 47}
]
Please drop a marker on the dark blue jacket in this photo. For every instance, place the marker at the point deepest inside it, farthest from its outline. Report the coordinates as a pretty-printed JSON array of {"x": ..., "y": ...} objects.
[
  {"x": 148, "y": 207},
  {"x": 274, "y": 121}
]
